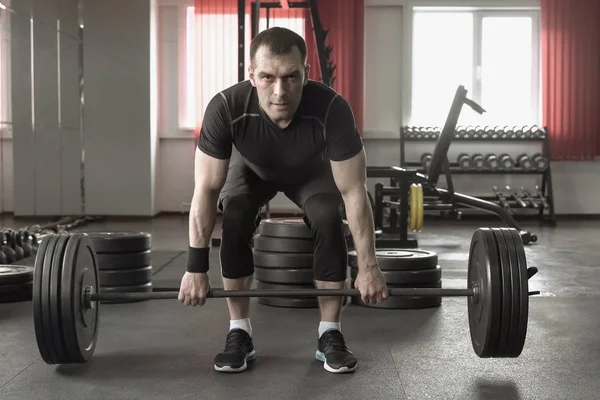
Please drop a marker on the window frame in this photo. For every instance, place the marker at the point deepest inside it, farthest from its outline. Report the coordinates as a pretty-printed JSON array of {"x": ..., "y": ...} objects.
[{"x": 479, "y": 12}]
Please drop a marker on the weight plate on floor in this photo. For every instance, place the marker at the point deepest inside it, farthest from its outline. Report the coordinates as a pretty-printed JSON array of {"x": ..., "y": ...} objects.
[
  {"x": 265, "y": 259},
  {"x": 523, "y": 293},
  {"x": 283, "y": 245},
  {"x": 285, "y": 276},
  {"x": 288, "y": 302},
  {"x": 515, "y": 297},
  {"x": 41, "y": 331},
  {"x": 121, "y": 242},
  {"x": 13, "y": 274},
  {"x": 13, "y": 288},
  {"x": 146, "y": 287},
  {"x": 290, "y": 228},
  {"x": 506, "y": 291},
  {"x": 407, "y": 277},
  {"x": 400, "y": 259},
  {"x": 484, "y": 310},
  {"x": 54, "y": 291},
  {"x": 79, "y": 319},
  {"x": 48, "y": 302},
  {"x": 124, "y": 260},
  {"x": 125, "y": 277},
  {"x": 404, "y": 302}
]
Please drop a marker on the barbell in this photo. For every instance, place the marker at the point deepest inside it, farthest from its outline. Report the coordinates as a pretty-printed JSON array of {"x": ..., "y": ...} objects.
[{"x": 66, "y": 296}]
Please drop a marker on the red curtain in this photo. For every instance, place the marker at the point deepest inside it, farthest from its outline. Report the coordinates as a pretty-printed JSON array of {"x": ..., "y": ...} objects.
[
  {"x": 571, "y": 77},
  {"x": 345, "y": 20}
]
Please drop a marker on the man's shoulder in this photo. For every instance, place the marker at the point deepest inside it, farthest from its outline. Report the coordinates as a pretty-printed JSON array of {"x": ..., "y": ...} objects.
[{"x": 237, "y": 98}]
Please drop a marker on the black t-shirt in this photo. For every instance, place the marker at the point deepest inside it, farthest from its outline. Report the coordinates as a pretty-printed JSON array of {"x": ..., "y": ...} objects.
[{"x": 323, "y": 129}]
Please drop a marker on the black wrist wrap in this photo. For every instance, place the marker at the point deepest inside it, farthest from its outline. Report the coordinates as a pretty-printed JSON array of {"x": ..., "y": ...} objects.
[{"x": 198, "y": 259}]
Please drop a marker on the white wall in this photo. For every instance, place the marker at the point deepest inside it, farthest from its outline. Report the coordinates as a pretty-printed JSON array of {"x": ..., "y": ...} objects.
[{"x": 135, "y": 167}]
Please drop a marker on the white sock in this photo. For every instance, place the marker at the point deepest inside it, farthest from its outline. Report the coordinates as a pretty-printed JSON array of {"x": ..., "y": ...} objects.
[
  {"x": 243, "y": 323},
  {"x": 326, "y": 325}
]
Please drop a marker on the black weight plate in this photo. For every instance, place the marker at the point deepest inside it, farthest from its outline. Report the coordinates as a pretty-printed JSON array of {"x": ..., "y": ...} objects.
[
  {"x": 80, "y": 319},
  {"x": 404, "y": 302},
  {"x": 146, "y": 287},
  {"x": 40, "y": 328},
  {"x": 123, "y": 260},
  {"x": 283, "y": 245},
  {"x": 294, "y": 228},
  {"x": 484, "y": 309},
  {"x": 47, "y": 301},
  {"x": 400, "y": 259},
  {"x": 54, "y": 300},
  {"x": 407, "y": 277},
  {"x": 282, "y": 260},
  {"x": 125, "y": 277},
  {"x": 16, "y": 288},
  {"x": 285, "y": 276},
  {"x": 12, "y": 274},
  {"x": 515, "y": 289},
  {"x": 121, "y": 242},
  {"x": 523, "y": 293},
  {"x": 16, "y": 297},
  {"x": 289, "y": 302},
  {"x": 506, "y": 290}
]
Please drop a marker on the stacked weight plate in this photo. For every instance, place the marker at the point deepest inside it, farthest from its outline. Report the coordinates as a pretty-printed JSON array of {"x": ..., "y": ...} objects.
[
  {"x": 124, "y": 261},
  {"x": 283, "y": 259},
  {"x": 405, "y": 268},
  {"x": 16, "y": 283}
]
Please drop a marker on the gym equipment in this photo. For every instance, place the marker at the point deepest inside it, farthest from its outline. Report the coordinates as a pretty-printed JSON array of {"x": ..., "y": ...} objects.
[
  {"x": 426, "y": 160},
  {"x": 524, "y": 162},
  {"x": 501, "y": 199},
  {"x": 124, "y": 261},
  {"x": 540, "y": 162},
  {"x": 464, "y": 161},
  {"x": 16, "y": 283},
  {"x": 416, "y": 207},
  {"x": 492, "y": 162},
  {"x": 478, "y": 161},
  {"x": 527, "y": 196},
  {"x": 66, "y": 295},
  {"x": 515, "y": 196},
  {"x": 506, "y": 162}
]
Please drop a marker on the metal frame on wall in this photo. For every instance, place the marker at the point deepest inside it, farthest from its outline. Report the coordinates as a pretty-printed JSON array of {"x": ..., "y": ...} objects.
[{"x": 319, "y": 32}]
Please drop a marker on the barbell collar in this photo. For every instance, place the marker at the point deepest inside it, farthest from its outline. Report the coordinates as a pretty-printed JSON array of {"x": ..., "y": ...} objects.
[{"x": 222, "y": 293}]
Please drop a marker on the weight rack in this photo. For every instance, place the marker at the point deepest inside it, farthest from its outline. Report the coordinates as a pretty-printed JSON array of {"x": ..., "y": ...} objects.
[
  {"x": 440, "y": 199},
  {"x": 543, "y": 198}
]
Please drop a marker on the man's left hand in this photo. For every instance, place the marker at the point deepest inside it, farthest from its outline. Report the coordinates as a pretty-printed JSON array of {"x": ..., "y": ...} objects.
[{"x": 371, "y": 284}]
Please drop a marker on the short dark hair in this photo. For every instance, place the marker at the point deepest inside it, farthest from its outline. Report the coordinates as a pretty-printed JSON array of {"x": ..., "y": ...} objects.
[{"x": 279, "y": 41}]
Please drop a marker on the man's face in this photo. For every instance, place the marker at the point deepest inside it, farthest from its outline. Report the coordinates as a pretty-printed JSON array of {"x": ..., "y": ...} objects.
[{"x": 279, "y": 80}]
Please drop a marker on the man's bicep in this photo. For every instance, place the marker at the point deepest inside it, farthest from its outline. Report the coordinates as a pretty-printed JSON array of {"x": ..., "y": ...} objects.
[
  {"x": 343, "y": 140},
  {"x": 210, "y": 173},
  {"x": 215, "y": 134},
  {"x": 350, "y": 174}
]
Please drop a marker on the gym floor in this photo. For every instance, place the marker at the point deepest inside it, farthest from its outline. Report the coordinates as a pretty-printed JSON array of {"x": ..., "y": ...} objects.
[{"x": 163, "y": 350}]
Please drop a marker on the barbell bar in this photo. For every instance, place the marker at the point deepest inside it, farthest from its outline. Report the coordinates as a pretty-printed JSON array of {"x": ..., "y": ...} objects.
[
  {"x": 222, "y": 293},
  {"x": 66, "y": 295}
]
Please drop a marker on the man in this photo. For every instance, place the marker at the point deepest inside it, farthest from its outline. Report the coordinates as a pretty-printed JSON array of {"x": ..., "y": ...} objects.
[{"x": 280, "y": 132}]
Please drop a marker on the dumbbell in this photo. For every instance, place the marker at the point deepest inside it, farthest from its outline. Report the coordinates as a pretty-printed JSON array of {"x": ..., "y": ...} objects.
[
  {"x": 464, "y": 161},
  {"x": 426, "y": 160},
  {"x": 491, "y": 161},
  {"x": 478, "y": 161},
  {"x": 524, "y": 162},
  {"x": 470, "y": 132},
  {"x": 9, "y": 252},
  {"x": 11, "y": 240},
  {"x": 540, "y": 162},
  {"x": 506, "y": 162},
  {"x": 480, "y": 132},
  {"x": 519, "y": 132},
  {"x": 461, "y": 132}
]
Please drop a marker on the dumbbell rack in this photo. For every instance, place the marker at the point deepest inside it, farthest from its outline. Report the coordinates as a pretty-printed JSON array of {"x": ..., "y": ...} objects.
[{"x": 544, "y": 199}]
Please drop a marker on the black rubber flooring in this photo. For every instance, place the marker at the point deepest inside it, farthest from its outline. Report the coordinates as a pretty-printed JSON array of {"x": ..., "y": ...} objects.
[{"x": 162, "y": 350}]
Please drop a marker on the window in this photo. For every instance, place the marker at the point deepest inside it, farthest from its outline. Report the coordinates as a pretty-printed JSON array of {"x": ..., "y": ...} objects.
[
  {"x": 494, "y": 54},
  {"x": 211, "y": 59}
]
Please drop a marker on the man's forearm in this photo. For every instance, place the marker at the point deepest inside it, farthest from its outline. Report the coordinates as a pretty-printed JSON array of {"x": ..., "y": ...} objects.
[
  {"x": 360, "y": 220},
  {"x": 203, "y": 214}
]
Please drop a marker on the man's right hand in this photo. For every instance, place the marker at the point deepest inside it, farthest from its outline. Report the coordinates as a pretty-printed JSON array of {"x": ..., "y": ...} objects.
[{"x": 194, "y": 288}]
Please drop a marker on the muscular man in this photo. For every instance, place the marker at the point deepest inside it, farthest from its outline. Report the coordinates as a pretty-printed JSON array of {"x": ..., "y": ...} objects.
[{"x": 280, "y": 132}]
